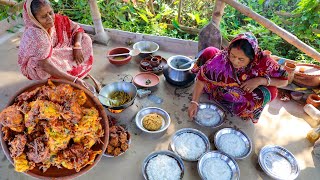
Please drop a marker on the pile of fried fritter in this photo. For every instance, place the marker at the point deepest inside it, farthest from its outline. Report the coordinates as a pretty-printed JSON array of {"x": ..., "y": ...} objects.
[
  {"x": 50, "y": 126},
  {"x": 118, "y": 138}
]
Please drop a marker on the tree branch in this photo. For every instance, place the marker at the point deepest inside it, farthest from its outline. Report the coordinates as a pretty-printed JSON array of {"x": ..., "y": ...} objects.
[
  {"x": 100, "y": 35},
  {"x": 218, "y": 12},
  {"x": 8, "y": 2},
  {"x": 189, "y": 30},
  {"x": 290, "y": 38}
]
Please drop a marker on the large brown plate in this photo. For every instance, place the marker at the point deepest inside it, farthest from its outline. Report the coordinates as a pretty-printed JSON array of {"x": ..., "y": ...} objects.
[
  {"x": 63, "y": 173},
  {"x": 310, "y": 78}
]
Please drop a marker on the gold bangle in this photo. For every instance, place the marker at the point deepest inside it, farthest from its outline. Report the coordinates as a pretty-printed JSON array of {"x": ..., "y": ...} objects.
[
  {"x": 195, "y": 102},
  {"x": 75, "y": 80},
  {"x": 77, "y": 47}
]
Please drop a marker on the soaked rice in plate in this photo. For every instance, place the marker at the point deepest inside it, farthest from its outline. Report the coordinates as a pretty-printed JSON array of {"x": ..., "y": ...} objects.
[
  {"x": 190, "y": 146},
  {"x": 163, "y": 167},
  {"x": 232, "y": 144},
  {"x": 216, "y": 169}
]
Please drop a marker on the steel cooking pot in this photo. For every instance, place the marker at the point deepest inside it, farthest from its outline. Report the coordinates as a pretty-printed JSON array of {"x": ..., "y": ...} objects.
[
  {"x": 178, "y": 76},
  {"x": 126, "y": 87}
]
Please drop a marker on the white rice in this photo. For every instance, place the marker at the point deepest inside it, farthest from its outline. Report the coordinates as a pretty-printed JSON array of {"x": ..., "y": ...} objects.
[
  {"x": 232, "y": 144},
  {"x": 189, "y": 146},
  {"x": 216, "y": 169},
  {"x": 208, "y": 117},
  {"x": 163, "y": 167},
  {"x": 279, "y": 165}
]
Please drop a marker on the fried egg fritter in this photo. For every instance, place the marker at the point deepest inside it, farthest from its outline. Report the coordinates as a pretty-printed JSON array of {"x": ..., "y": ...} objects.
[{"x": 21, "y": 163}]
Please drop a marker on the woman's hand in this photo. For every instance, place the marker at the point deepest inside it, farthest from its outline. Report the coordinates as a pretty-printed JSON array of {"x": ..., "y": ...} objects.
[
  {"x": 192, "y": 110},
  {"x": 78, "y": 56},
  {"x": 81, "y": 82},
  {"x": 252, "y": 84}
]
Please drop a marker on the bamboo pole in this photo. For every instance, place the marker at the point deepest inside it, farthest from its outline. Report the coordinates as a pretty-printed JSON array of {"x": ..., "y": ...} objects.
[
  {"x": 100, "y": 36},
  {"x": 218, "y": 12},
  {"x": 8, "y": 2},
  {"x": 290, "y": 38},
  {"x": 150, "y": 2}
]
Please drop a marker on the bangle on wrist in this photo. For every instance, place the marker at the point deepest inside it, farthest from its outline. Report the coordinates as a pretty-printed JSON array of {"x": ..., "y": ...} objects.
[
  {"x": 77, "y": 47},
  {"x": 268, "y": 80},
  {"x": 75, "y": 79},
  {"x": 195, "y": 102},
  {"x": 77, "y": 44}
]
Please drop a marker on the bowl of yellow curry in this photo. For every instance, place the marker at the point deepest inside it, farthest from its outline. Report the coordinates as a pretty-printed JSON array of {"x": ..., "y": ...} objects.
[
  {"x": 54, "y": 129},
  {"x": 118, "y": 95},
  {"x": 152, "y": 120}
]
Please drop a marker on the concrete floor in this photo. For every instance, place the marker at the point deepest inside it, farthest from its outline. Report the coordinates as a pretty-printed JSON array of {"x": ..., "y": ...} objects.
[{"x": 282, "y": 123}]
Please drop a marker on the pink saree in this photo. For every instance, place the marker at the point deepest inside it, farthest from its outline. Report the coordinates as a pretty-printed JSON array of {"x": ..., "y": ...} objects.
[{"x": 37, "y": 44}]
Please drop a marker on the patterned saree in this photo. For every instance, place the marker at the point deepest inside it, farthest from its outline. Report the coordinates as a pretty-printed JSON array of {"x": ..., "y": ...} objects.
[
  {"x": 222, "y": 80},
  {"x": 37, "y": 44}
]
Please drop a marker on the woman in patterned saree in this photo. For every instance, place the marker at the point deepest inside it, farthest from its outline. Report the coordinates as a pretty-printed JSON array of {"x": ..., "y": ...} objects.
[
  {"x": 241, "y": 77},
  {"x": 53, "y": 46}
]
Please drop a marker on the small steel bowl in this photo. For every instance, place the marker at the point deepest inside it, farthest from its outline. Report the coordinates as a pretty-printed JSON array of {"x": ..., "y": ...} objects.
[
  {"x": 146, "y": 48},
  {"x": 235, "y": 170},
  {"x": 276, "y": 154},
  {"x": 213, "y": 107},
  {"x": 156, "y": 153},
  {"x": 145, "y": 111},
  {"x": 105, "y": 154},
  {"x": 239, "y": 133},
  {"x": 189, "y": 130},
  {"x": 126, "y": 87}
]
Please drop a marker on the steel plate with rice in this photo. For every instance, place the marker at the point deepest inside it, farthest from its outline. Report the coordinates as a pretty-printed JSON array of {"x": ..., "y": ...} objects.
[
  {"x": 218, "y": 165},
  {"x": 190, "y": 144},
  {"x": 233, "y": 142},
  {"x": 209, "y": 115},
  {"x": 161, "y": 165},
  {"x": 278, "y": 162}
]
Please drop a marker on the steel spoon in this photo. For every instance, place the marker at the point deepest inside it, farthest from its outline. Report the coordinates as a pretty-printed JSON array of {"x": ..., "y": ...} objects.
[{"x": 132, "y": 52}]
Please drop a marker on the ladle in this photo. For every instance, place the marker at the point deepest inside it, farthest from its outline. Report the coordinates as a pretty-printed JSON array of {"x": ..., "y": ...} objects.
[
  {"x": 107, "y": 98},
  {"x": 94, "y": 92},
  {"x": 185, "y": 64},
  {"x": 132, "y": 52}
]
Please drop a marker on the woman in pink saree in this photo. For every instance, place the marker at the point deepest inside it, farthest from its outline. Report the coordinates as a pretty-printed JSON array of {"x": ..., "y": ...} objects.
[{"x": 52, "y": 45}]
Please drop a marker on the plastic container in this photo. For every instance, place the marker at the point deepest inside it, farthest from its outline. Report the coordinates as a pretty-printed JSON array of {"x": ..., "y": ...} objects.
[
  {"x": 313, "y": 112},
  {"x": 314, "y": 135}
]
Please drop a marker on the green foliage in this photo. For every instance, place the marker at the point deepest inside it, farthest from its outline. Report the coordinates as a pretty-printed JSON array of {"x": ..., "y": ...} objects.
[
  {"x": 234, "y": 23},
  {"x": 4, "y": 12},
  {"x": 304, "y": 22}
]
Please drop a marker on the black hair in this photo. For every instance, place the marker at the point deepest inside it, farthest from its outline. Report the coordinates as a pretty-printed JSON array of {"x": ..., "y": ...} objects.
[
  {"x": 245, "y": 46},
  {"x": 36, "y": 5}
]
